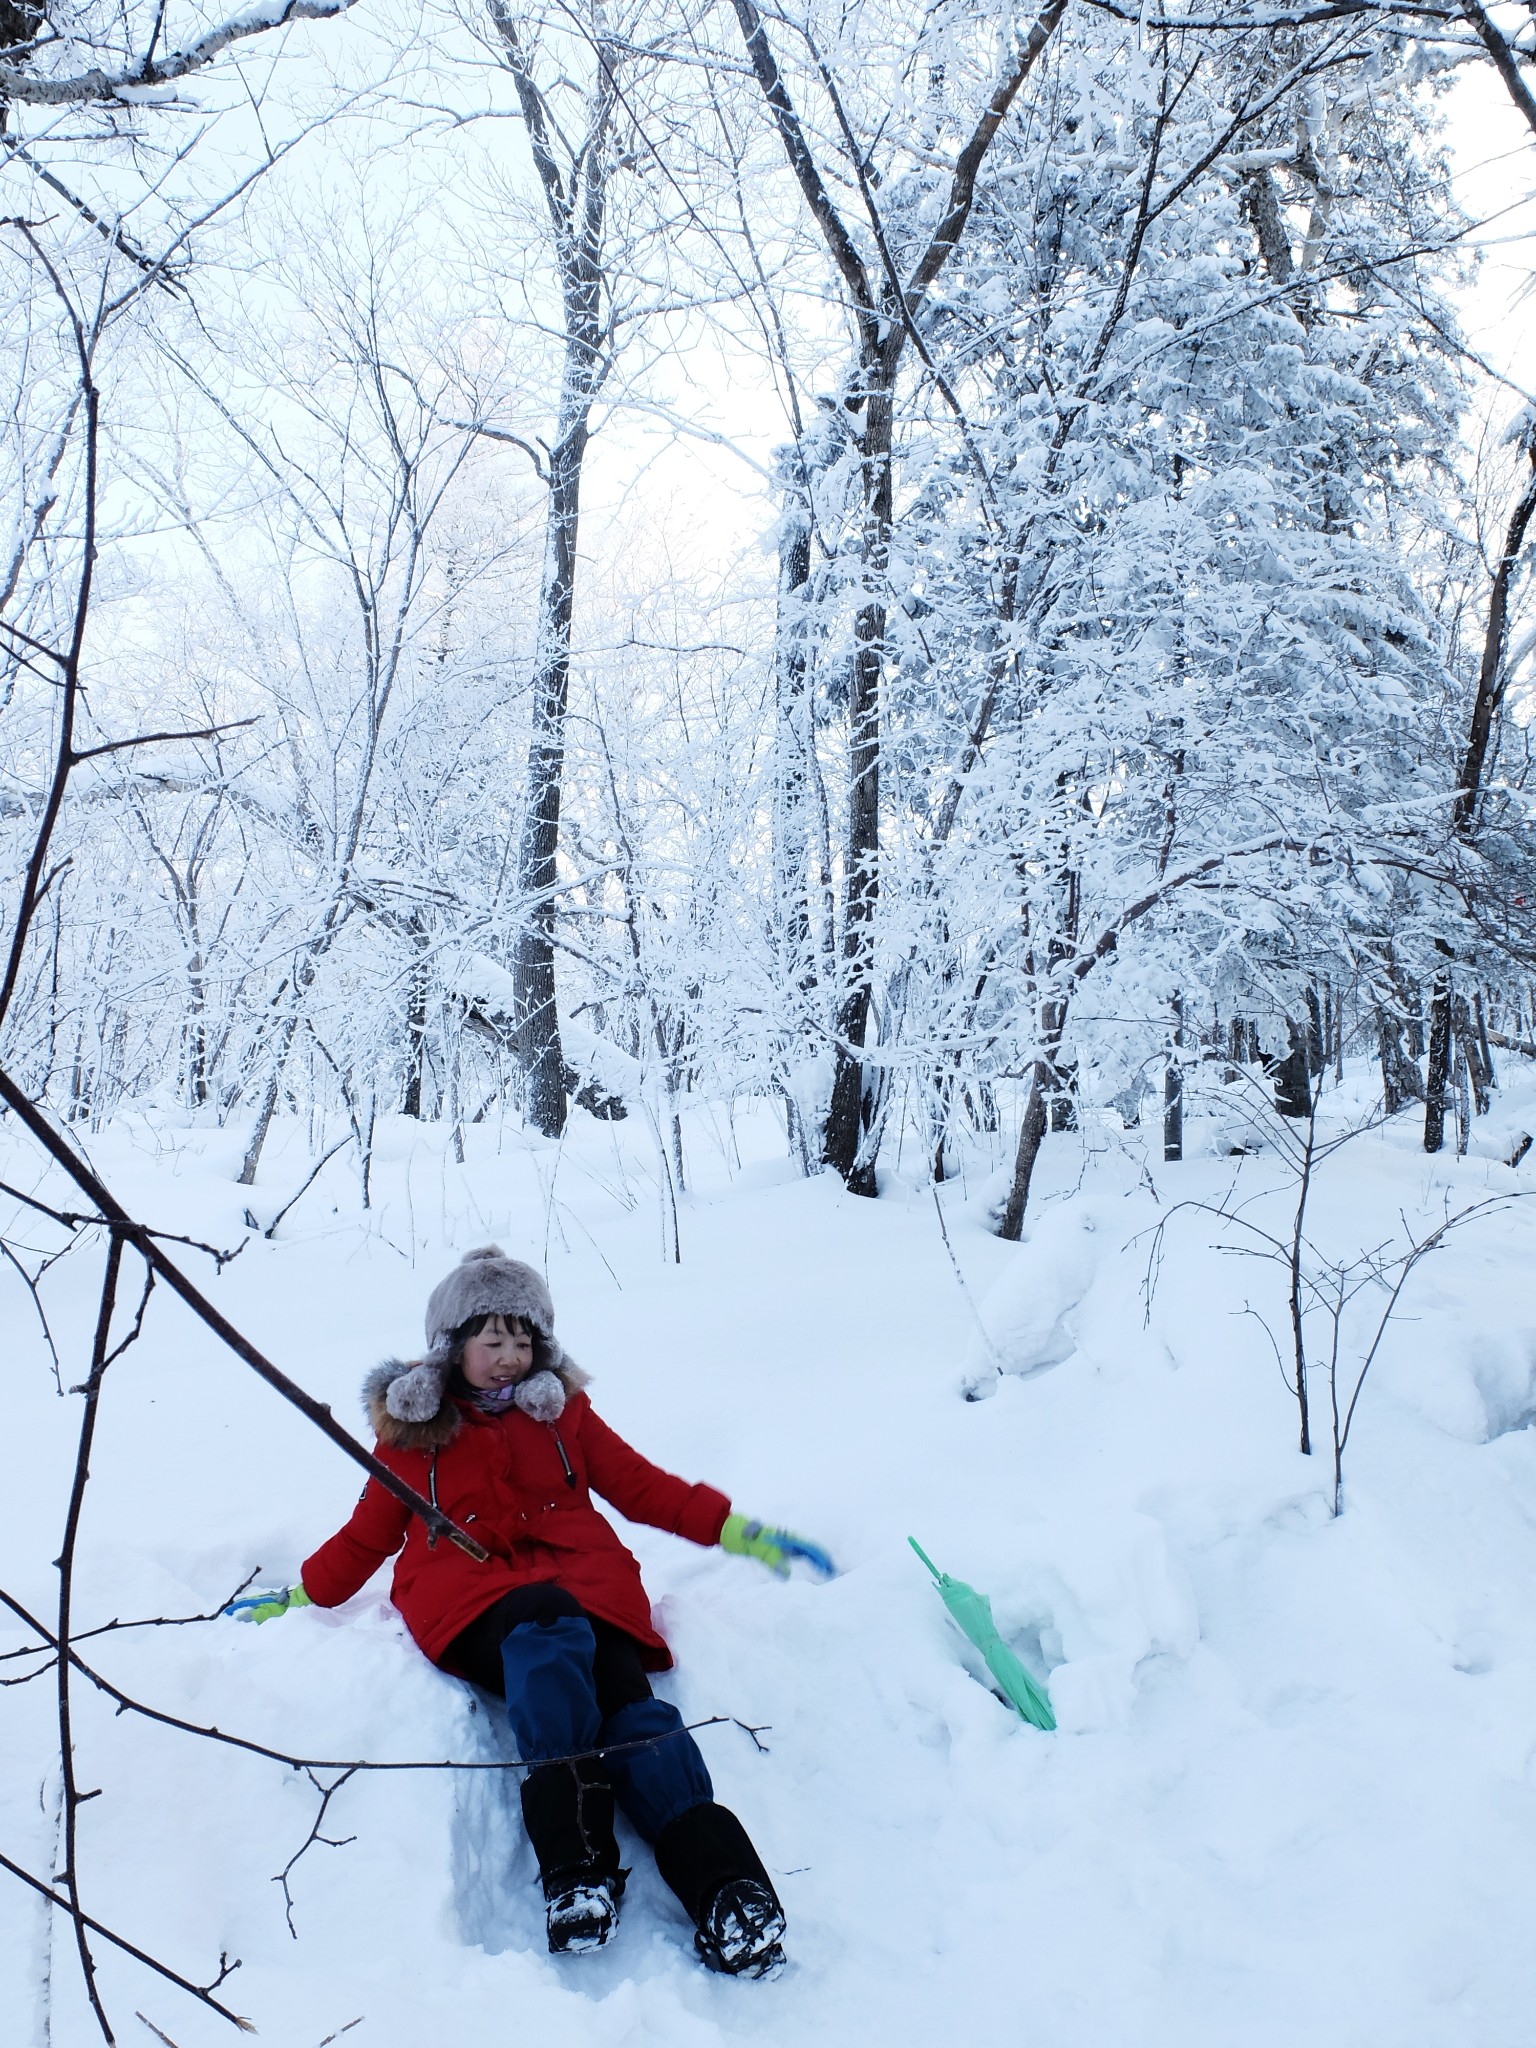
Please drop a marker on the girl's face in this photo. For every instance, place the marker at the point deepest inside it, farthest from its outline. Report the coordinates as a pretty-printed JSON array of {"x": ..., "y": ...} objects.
[{"x": 499, "y": 1354}]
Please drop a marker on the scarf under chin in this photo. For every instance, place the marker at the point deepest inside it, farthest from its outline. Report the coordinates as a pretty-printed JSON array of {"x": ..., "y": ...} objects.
[
  {"x": 539, "y": 1394},
  {"x": 494, "y": 1400}
]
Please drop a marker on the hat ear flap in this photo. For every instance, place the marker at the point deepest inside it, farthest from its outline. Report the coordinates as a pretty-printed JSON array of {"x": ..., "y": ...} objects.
[{"x": 416, "y": 1395}]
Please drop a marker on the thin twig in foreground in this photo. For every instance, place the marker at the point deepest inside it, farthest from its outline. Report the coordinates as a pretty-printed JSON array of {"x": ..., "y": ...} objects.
[{"x": 117, "y": 1941}]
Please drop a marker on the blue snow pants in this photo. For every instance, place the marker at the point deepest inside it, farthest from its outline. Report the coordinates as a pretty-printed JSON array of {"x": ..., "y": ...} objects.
[{"x": 571, "y": 1685}]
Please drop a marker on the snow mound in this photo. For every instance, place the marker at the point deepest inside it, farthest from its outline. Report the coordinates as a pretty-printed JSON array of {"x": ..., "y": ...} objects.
[
  {"x": 600, "y": 1060},
  {"x": 1092, "y": 1596},
  {"x": 478, "y": 979},
  {"x": 1028, "y": 1316},
  {"x": 1478, "y": 1388}
]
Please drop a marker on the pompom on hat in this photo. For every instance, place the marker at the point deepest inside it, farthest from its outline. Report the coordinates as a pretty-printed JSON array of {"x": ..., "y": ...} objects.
[{"x": 484, "y": 1283}]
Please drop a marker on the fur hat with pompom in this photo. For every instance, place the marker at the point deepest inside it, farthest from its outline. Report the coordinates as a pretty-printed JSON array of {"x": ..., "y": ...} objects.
[
  {"x": 406, "y": 1402},
  {"x": 487, "y": 1283}
]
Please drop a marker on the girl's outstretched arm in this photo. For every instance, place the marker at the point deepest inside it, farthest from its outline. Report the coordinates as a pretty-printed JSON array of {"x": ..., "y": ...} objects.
[
  {"x": 645, "y": 1493},
  {"x": 345, "y": 1563}
]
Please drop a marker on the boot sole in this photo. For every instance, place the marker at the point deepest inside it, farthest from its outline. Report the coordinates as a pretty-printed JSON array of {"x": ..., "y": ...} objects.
[{"x": 583, "y": 1945}]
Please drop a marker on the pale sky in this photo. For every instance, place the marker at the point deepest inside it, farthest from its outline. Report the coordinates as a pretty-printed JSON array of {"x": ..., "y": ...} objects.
[{"x": 1495, "y": 153}]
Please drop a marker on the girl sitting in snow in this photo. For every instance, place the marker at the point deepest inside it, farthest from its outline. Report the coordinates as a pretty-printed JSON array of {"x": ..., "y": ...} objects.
[{"x": 495, "y": 1429}]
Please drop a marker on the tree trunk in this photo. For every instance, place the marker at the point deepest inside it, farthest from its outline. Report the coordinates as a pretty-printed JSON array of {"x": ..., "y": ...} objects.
[
  {"x": 1491, "y": 676},
  {"x": 246, "y": 1177},
  {"x": 793, "y": 737},
  {"x": 1471, "y": 1049},
  {"x": 1438, "y": 1078},
  {"x": 1316, "y": 1047},
  {"x": 415, "y": 1039},
  {"x": 1173, "y": 1089},
  {"x": 1400, "y": 1082},
  {"x": 574, "y": 177},
  {"x": 848, "y": 1111},
  {"x": 1031, "y": 1132},
  {"x": 1292, "y": 1076},
  {"x": 1386, "y": 1043},
  {"x": 1462, "y": 1075},
  {"x": 533, "y": 963},
  {"x": 1480, "y": 1015}
]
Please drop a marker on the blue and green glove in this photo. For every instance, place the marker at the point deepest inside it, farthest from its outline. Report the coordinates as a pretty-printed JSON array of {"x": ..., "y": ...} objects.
[
  {"x": 776, "y": 1548},
  {"x": 259, "y": 1607}
]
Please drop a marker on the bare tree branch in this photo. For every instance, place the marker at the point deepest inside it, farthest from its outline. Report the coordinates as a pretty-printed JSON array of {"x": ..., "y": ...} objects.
[
  {"x": 182, "y": 1983},
  {"x": 143, "y": 77}
]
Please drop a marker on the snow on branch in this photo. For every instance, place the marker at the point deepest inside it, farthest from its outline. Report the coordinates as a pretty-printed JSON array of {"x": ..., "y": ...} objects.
[{"x": 147, "y": 80}]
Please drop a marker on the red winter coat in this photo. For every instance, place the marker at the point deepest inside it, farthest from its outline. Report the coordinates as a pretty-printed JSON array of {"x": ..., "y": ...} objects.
[{"x": 501, "y": 1479}]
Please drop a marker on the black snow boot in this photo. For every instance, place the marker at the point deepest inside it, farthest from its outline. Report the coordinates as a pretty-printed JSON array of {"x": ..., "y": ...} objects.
[
  {"x": 707, "y": 1858},
  {"x": 742, "y": 1930},
  {"x": 568, "y": 1812},
  {"x": 582, "y": 1915}
]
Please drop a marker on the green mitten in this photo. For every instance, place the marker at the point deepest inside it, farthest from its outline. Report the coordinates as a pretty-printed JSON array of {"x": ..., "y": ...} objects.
[
  {"x": 776, "y": 1548},
  {"x": 259, "y": 1607}
]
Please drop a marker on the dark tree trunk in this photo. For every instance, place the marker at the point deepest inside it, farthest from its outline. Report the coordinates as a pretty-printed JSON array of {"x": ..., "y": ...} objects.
[
  {"x": 533, "y": 969},
  {"x": 981, "y": 1106},
  {"x": 1316, "y": 1048},
  {"x": 1337, "y": 1028},
  {"x": 415, "y": 1033},
  {"x": 1480, "y": 1016},
  {"x": 794, "y": 738},
  {"x": 1414, "y": 1024},
  {"x": 792, "y": 732},
  {"x": 1491, "y": 677},
  {"x": 1173, "y": 1090},
  {"x": 1031, "y": 1132},
  {"x": 1173, "y": 1111},
  {"x": 849, "y": 1109},
  {"x": 1471, "y": 1046},
  {"x": 1491, "y": 680},
  {"x": 1292, "y": 1076},
  {"x": 575, "y": 187},
  {"x": 1386, "y": 1043},
  {"x": 1400, "y": 1082},
  {"x": 1437, "y": 1081}
]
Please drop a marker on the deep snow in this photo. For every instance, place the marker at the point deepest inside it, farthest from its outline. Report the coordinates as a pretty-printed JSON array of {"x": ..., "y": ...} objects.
[{"x": 1293, "y": 1791}]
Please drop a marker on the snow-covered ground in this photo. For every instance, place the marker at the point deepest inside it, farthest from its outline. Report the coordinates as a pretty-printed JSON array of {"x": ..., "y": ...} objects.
[{"x": 1293, "y": 1792}]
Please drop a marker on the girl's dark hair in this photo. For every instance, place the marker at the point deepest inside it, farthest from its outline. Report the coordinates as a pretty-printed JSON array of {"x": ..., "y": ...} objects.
[{"x": 471, "y": 1327}]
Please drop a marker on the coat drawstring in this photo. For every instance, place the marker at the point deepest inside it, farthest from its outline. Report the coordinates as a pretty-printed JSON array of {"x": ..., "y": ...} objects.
[{"x": 570, "y": 1476}]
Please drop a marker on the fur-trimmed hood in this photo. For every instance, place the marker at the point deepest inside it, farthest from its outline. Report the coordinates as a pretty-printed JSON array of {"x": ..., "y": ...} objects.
[{"x": 410, "y": 1409}]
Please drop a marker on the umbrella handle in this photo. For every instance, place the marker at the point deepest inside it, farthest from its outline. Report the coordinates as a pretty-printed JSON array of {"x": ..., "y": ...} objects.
[{"x": 927, "y": 1560}]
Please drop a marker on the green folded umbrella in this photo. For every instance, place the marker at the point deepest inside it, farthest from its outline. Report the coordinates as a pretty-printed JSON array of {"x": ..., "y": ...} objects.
[{"x": 973, "y": 1611}]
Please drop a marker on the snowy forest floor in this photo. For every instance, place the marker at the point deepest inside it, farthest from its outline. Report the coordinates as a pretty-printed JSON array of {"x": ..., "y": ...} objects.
[{"x": 1293, "y": 1791}]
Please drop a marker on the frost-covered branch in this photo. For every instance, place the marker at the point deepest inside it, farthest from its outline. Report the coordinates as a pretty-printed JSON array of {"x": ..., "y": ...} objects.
[{"x": 148, "y": 80}]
